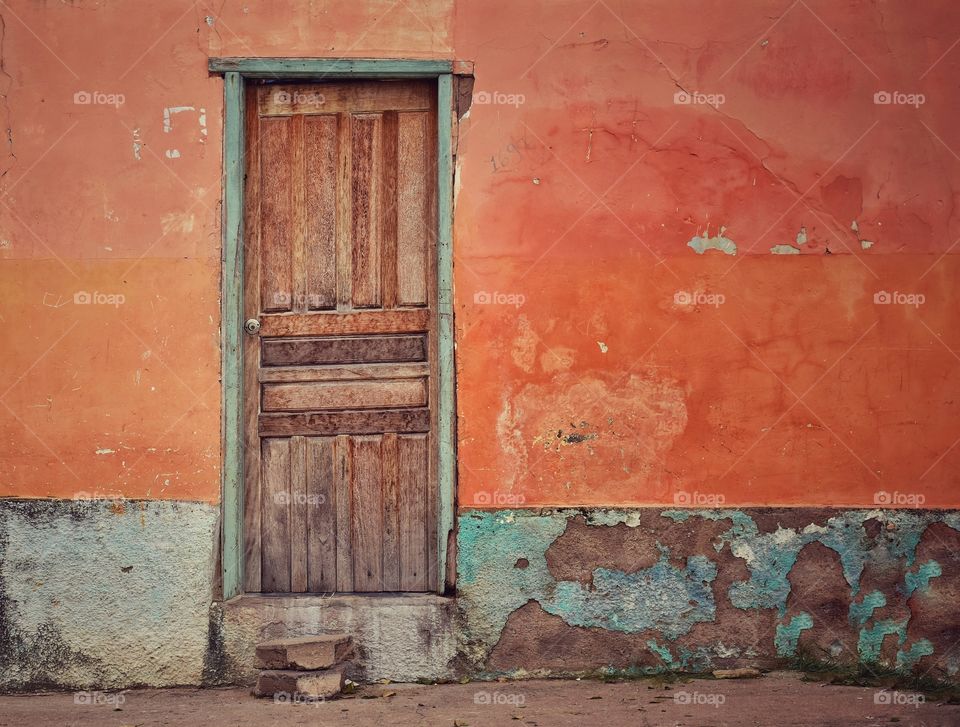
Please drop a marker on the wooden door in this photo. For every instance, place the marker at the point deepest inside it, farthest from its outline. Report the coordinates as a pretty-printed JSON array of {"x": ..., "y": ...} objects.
[{"x": 340, "y": 379}]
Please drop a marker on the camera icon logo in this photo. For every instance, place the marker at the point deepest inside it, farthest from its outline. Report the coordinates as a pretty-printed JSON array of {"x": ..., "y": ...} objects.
[
  {"x": 82, "y": 297},
  {"x": 682, "y": 297},
  {"x": 883, "y": 98},
  {"x": 482, "y": 298},
  {"x": 83, "y": 98},
  {"x": 882, "y": 297}
]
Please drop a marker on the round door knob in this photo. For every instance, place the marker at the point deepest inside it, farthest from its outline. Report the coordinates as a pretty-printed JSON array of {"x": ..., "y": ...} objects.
[{"x": 252, "y": 326}]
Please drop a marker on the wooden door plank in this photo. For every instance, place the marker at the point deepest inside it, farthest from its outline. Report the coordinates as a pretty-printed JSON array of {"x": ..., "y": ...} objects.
[
  {"x": 322, "y": 515},
  {"x": 297, "y": 173},
  {"x": 355, "y": 96},
  {"x": 320, "y": 153},
  {"x": 346, "y": 372},
  {"x": 344, "y": 350},
  {"x": 367, "y": 515},
  {"x": 345, "y": 422},
  {"x": 275, "y": 502},
  {"x": 365, "y": 209},
  {"x": 276, "y": 218},
  {"x": 316, "y": 395},
  {"x": 344, "y": 241},
  {"x": 298, "y": 514},
  {"x": 343, "y": 486},
  {"x": 251, "y": 351},
  {"x": 413, "y": 475},
  {"x": 389, "y": 210},
  {"x": 391, "y": 513},
  {"x": 413, "y": 197},
  {"x": 327, "y": 324}
]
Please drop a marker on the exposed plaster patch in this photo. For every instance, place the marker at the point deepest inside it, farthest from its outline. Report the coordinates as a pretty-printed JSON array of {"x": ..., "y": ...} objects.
[
  {"x": 784, "y": 250},
  {"x": 724, "y": 244}
]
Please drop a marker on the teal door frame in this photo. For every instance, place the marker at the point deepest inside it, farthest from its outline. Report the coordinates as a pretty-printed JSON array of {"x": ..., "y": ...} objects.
[{"x": 235, "y": 71}]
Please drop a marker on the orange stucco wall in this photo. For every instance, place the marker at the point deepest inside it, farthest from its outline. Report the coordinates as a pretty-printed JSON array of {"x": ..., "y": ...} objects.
[{"x": 580, "y": 183}]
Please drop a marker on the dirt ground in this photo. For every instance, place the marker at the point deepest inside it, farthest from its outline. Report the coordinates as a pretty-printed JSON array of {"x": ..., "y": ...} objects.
[{"x": 779, "y": 699}]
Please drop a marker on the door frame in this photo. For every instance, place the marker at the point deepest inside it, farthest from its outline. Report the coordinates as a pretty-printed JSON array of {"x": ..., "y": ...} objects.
[{"x": 235, "y": 71}]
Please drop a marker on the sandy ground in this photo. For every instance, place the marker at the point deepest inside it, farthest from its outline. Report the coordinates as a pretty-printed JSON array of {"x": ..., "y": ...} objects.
[{"x": 777, "y": 699}]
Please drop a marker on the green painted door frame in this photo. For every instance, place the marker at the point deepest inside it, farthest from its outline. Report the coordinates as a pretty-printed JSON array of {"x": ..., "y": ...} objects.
[{"x": 234, "y": 71}]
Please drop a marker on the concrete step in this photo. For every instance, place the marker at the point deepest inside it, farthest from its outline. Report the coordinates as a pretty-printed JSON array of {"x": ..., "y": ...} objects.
[
  {"x": 305, "y": 652},
  {"x": 292, "y": 686}
]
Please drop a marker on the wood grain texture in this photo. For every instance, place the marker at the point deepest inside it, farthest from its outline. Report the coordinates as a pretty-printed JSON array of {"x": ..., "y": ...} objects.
[
  {"x": 298, "y": 514},
  {"x": 321, "y": 395},
  {"x": 413, "y": 198},
  {"x": 344, "y": 350},
  {"x": 347, "y": 372},
  {"x": 320, "y": 154},
  {"x": 251, "y": 353},
  {"x": 343, "y": 484},
  {"x": 412, "y": 474},
  {"x": 275, "y": 504},
  {"x": 336, "y": 97},
  {"x": 321, "y": 515},
  {"x": 367, "y": 515},
  {"x": 366, "y": 192},
  {"x": 345, "y": 422},
  {"x": 326, "y": 324},
  {"x": 389, "y": 475},
  {"x": 276, "y": 214}
]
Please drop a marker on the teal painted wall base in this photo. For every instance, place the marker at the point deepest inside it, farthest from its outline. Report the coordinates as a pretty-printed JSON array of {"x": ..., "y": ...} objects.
[{"x": 651, "y": 590}]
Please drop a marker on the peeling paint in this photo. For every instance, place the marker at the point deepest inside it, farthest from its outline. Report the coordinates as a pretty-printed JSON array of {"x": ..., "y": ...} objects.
[{"x": 724, "y": 244}]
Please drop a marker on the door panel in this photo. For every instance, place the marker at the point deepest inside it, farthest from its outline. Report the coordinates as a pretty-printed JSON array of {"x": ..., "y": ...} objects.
[{"x": 340, "y": 379}]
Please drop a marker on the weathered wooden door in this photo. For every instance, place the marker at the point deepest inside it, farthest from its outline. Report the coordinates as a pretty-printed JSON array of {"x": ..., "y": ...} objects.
[{"x": 340, "y": 351}]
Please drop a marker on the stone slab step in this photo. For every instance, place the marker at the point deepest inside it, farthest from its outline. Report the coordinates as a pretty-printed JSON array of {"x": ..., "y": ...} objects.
[
  {"x": 305, "y": 652},
  {"x": 294, "y": 686}
]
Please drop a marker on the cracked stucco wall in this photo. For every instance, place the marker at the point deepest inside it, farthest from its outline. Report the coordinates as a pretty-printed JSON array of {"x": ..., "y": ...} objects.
[
  {"x": 104, "y": 594},
  {"x": 692, "y": 579}
]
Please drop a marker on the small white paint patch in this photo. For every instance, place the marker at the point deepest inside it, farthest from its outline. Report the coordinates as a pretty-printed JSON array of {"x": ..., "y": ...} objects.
[
  {"x": 784, "y": 250},
  {"x": 137, "y": 144},
  {"x": 854, "y": 226},
  {"x": 866, "y": 244},
  {"x": 603, "y": 347},
  {"x": 177, "y": 222},
  {"x": 524, "y": 346},
  {"x": 168, "y": 113},
  {"x": 724, "y": 244},
  {"x": 784, "y": 536},
  {"x": 106, "y": 451},
  {"x": 172, "y": 153},
  {"x": 802, "y": 236},
  {"x": 814, "y": 528}
]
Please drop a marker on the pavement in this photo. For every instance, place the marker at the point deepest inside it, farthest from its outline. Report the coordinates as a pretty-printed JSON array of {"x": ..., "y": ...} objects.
[{"x": 778, "y": 699}]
